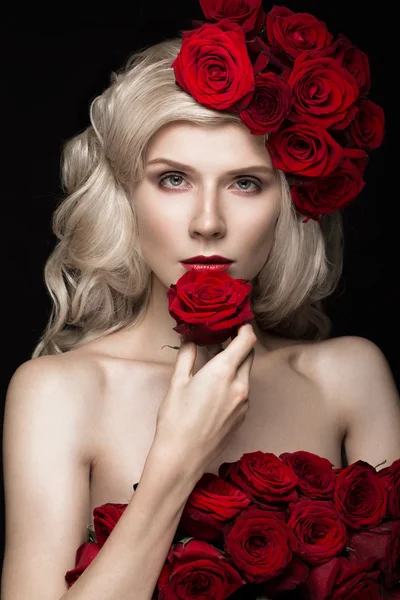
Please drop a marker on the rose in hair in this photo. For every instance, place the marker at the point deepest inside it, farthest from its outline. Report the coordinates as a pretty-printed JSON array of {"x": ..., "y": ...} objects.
[
  {"x": 296, "y": 33},
  {"x": 324, "y": 92},
  {"x": 213, "y": 66},
  {"x": 249, "y": 14},
  {"x": 367, "y": 128},
  {"x": 353, "y": 59},
  {"x": 304, "y": 151},
  {"x": 328, "y": 194},
  {"x": 269, "y": 106}
]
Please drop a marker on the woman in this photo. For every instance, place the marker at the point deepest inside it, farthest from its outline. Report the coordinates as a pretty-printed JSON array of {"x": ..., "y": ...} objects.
[{"x": 159, "y": 178}]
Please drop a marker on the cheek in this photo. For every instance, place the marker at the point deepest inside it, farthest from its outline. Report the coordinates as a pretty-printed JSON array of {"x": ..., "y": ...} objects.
[
  {"x": 156, "y": 217},
  {"x": 258, "y": 239},
  {"x": 260, "y": 229},
  {"x": 157, "y": 231}
]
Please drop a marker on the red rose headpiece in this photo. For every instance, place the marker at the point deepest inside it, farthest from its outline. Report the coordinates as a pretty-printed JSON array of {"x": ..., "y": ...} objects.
[{"x": 285, "y": 75}]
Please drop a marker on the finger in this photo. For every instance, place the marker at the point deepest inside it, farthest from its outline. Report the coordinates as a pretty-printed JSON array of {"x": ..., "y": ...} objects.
[
  {"x": 185, "y": 360},
  {"x": 244, "y": 370},
  {"x": 239, "y": 347}
]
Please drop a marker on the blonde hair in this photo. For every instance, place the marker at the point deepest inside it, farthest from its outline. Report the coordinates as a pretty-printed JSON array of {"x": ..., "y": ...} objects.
[{"x": 96, "y": 275}]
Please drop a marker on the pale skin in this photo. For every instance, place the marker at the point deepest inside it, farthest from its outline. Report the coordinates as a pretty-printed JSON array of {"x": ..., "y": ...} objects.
[{"x": 303, "y": 395}]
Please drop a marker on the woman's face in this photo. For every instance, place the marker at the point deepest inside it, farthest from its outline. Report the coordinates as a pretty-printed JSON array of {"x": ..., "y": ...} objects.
[{"x": 206, "y": 190}]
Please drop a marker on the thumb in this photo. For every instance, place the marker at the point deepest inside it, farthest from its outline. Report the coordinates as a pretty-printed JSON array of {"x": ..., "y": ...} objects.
[{"x": 185, "y": 359}]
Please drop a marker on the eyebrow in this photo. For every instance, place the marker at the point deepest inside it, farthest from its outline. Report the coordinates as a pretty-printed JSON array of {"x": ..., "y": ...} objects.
[{"x": 177, "y": 165}]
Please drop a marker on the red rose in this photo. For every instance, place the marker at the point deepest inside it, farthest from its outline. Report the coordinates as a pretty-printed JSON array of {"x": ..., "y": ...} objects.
[
  {"x": 382, "y": 543},
  {"x": 262, "y": 475},
  {"x": 320, "y": 533},
  {"x": 295, "y": 573},
  {"x": 392, "y": 594},
  {"x": 330, "y": 193},
  {"x": 358, "y": 157},
  {"x": 269, "y": 106},
  {"x": 391, "y": 562},
  {"x": 324, "y": 92},
  {"x": 214, "y": 67},
  {"x": 367, "y": 543},
  {"x": 296, "y": 33},
  {"x": 339, "y": 579},
  {"x": 352, "y": 59},
  {"x": 360, "y": 496},
  {"x": 212, "y": 503},
  {"x": 105, "y": 517},
  {"x": 368, "y": 126},
  {"x": 391, "y": 478},
  {"x": 304, "y": 151},
  {"x": 316, "y": 478},
  {"x": 263, "y": 55},
  {"x": 209, "y": 306},
  {"x": 84, "y": 556},
  {"x": 248, "y": 14},
  {"x": 197, "y": 570},
  {"x": 260, "y": 544}
]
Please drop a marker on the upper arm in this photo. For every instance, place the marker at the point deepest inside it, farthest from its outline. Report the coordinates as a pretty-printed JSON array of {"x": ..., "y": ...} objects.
[
  {"x": 359, "y": 380},
  {"x": 46, "y": 478}
]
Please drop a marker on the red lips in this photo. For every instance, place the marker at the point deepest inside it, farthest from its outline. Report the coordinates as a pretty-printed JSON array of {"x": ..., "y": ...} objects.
[{"x": 214, "y": 258}]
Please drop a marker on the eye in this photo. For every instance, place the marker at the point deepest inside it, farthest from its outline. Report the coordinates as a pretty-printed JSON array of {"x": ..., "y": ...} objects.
[
  {"x": 257, "y": 184},
  {"x": 167, "y": 176}
]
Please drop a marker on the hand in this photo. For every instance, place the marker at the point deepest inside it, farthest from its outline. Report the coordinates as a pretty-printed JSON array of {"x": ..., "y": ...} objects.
[{"x": 201, "y": 411}]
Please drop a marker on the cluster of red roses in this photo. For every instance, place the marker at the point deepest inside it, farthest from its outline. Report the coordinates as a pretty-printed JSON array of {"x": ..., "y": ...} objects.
[
  {"x": 269, "y": 524},
  {"x": 286, "y": 76}
]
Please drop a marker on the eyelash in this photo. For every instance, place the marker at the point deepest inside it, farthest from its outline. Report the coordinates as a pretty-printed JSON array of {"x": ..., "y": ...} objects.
[{"x": 170, "y": 174}]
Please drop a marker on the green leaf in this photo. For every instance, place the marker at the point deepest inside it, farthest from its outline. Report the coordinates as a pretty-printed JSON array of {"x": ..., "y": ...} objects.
[
  {"x": 92, "y": 534},
  {"x": 185, "y": 540},
  {"x": 173, "y": 347}
]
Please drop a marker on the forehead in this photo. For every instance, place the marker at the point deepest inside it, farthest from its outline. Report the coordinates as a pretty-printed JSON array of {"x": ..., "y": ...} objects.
[{"x": 206, "y": 146}]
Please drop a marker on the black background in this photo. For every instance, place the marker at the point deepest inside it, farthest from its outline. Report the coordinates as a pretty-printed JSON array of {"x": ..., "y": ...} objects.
[{"x": 55, "y": 63}]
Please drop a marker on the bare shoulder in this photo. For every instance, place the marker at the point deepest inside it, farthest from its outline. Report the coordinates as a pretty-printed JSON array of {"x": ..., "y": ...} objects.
[
  {"x": 355, "y": 375},
  {"x": 345, "y": 360},
  {"x": 353, "y": 372},
  {"x": 76, "y": 370},
  {"x": 71, "y": 384}
]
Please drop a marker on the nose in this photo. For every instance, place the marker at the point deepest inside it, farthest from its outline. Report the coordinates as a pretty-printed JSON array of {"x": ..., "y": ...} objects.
[{"x": 207, "y": 220}]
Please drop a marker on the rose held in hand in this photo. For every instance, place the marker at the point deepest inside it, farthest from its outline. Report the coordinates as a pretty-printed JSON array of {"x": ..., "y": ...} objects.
[{"x": 209, "y": 306}]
